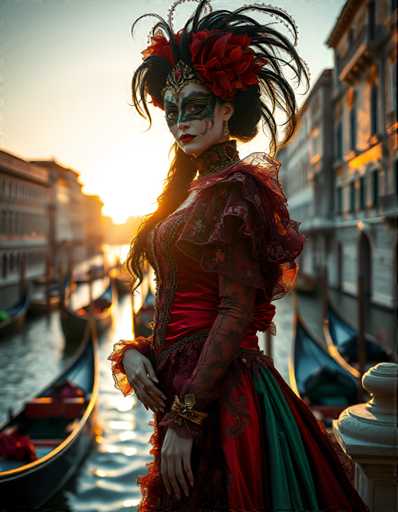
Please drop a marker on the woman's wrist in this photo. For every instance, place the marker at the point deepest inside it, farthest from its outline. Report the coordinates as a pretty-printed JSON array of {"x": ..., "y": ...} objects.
[{"x": 183, "y": 417}]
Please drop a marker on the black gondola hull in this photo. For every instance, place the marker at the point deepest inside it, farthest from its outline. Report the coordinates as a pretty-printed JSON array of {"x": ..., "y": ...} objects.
[
  {"x": 27, "y": 492},
  {"x": 60, "y": 450}
]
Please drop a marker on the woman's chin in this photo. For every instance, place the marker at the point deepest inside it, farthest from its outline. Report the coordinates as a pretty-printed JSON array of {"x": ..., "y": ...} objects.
[{"x": 195, "y": 150}]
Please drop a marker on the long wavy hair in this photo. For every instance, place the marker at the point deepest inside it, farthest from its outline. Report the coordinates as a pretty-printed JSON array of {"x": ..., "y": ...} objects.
[{"x": 252, "y": 105}]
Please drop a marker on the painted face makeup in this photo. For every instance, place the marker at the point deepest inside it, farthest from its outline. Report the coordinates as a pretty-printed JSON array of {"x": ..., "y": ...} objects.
[{"x": 195, "y": 118}]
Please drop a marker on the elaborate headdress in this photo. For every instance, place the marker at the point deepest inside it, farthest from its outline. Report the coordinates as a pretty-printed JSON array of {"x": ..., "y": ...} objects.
[
  {"x": 231, "y": 53},
  {"x": 238, "y": 58}
]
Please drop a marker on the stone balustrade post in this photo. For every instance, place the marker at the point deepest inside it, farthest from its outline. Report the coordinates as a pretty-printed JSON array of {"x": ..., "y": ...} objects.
[{"x": 368, "y": 433}]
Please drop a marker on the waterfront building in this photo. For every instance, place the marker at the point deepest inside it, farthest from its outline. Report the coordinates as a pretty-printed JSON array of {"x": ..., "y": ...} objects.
[
  {"x": 307, "y": 174},
  {"x": 93, "y": 224},
  {"x": 364, "y": 40},
  {"x": 340, "y": 169},
  {"x": 67, "y": 216},
  {"x": 24, "y": 223}
]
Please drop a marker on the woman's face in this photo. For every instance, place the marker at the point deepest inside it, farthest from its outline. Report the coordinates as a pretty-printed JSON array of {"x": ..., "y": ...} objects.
[{"x": 195, "y": 118}]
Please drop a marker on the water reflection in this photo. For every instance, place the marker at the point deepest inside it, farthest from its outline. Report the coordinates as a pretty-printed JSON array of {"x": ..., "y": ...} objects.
[{"x": 107, "y": 480}]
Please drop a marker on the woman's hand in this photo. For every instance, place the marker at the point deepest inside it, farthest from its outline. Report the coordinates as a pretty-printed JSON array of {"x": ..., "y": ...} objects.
[
  {"x": 141, "y": 376},
  {"x": 175, "y": 460}
]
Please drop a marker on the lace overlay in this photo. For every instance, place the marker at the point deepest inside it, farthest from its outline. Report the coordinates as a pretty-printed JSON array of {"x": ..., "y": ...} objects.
[{"x": 164, "y": 235}]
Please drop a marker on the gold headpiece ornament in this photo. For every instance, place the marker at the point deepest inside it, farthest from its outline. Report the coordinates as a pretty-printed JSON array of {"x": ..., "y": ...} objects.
[{"x": 179, "y": 76}]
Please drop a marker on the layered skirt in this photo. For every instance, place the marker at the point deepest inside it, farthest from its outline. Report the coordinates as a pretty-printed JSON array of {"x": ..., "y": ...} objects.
[{"x": 261, "y": 449}]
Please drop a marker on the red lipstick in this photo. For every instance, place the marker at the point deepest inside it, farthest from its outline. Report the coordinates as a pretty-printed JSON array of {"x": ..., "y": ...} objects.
[{"x": 186, "y": 138}]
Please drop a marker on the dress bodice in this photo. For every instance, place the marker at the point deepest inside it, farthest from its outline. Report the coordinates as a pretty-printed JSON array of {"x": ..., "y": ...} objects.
[
  {"x": 187, "y": 296},
  {"x": 234, "y": 223}
]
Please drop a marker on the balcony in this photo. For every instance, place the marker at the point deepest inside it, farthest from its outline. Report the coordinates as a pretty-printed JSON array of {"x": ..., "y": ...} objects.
[{"x": 358, "y": 56}]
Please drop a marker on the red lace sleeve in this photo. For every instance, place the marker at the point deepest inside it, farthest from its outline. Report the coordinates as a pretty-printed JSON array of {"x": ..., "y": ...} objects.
[{"x": 247, "y": 201}]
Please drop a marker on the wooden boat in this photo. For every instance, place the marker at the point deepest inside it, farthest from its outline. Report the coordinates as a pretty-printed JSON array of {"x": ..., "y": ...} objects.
[
  {"x": 60, "y": 423},
  {"x": 342, "y": 342},
  {"x": 318, "y": 378},
  {"x": 48, "y": 296},
  {"x": 121, "y": 279},
  {"x": 74, "y": 322},
  {"x": 14, "y": 316},
  {"x": 94, "y": 272},
  {"x": 306, "y": 283}
]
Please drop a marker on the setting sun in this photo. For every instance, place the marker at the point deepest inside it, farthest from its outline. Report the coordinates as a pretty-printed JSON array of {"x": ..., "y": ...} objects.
[{"x": 130, "y": 176}]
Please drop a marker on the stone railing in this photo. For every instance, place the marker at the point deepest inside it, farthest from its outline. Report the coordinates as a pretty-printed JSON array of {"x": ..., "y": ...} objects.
[{"x": 368, "y": 433}]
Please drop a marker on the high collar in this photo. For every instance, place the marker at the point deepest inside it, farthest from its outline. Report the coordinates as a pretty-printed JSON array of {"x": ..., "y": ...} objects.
[{"x": 217, "y": 157}]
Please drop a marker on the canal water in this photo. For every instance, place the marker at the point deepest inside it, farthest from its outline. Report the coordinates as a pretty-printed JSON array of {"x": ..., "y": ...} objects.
[{"x": 106, "y": 481}]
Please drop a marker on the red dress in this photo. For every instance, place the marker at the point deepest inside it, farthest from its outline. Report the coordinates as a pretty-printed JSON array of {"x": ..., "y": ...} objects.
[{"x": 219, "y": 263}]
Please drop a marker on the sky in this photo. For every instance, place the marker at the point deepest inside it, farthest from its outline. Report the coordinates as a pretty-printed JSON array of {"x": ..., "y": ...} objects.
[{"x": 65, "y": 78}]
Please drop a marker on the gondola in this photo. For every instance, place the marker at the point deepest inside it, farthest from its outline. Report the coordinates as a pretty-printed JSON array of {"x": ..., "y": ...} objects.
[
  {"x": 342, "y": 342},
  {"x": 73, "y": 322},
  {"x": 59, "y": 424},
  {"x": 48, "y": 296},
  {"x": 316, "y": 377},
  {"x": 121, "y": 279},
  {"x": 306, "y": 283},
  {"x": 94, "y": 272},
  {"x": 14, "y": 316}
]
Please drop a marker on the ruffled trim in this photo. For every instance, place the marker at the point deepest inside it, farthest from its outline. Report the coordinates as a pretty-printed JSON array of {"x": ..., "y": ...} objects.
[
  {"x": 246, "y": 203},
  {"x": 143, "y": 345}
]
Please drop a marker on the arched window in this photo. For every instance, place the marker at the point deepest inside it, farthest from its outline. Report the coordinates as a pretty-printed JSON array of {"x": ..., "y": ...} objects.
[
  {"x": 339, "y": 140},
  {"x": 374, "y": 94},
  {"x": 375, "y": 188},
  {"x": 362, "y": 193},
  {"x": 353, "y": 123},
  {"x": 352, "y": 197}
]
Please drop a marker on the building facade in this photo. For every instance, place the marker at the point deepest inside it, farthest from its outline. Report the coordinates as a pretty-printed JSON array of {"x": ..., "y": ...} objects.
[
  {"x": 67, "y": 216},
  {"x": 94, "y": 224},
  {"x": 47, "y": 224},
  {"x": 340, "y": 169},
  {"x": 307, "y": 174},
  {"x": 24, "y": 224},
  {"x": 364, "y": 41}
]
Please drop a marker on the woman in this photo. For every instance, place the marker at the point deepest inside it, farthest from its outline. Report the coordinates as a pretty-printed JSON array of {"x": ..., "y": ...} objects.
[{"x": 229, "y": 434}]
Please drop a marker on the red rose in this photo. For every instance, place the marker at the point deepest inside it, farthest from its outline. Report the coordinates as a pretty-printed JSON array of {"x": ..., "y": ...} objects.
[{"x": 224, "y": 61}]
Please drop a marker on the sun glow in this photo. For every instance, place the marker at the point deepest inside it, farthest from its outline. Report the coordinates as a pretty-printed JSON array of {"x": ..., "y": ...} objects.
[{"x": 130, "y": 175}]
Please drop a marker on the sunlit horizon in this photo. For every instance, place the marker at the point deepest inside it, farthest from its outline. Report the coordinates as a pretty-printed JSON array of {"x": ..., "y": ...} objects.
[{"x": 66, "y": 90}]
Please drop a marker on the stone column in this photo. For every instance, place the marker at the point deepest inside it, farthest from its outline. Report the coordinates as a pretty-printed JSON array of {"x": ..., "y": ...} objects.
[{"x": 368, "y": 433}]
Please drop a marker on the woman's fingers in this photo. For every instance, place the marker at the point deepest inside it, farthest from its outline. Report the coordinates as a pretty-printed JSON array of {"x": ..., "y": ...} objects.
[
  {"x": 150, "y": 371},
  {"x": 165, "y": 474},
  {"x": 180, "y": 477},
  {"x": 149, "y": 389},
  {"x": 147, "y": 399},
  {"x": 172, "y": 476},
  {"x": 186, "y": 462}
]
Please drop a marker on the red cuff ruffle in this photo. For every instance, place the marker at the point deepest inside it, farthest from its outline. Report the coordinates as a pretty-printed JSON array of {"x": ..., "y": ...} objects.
[{"x": 142, "y": 344}]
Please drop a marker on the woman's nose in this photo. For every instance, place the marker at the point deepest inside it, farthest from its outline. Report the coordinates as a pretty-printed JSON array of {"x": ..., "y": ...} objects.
[{"x": 181, "y": 124}]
